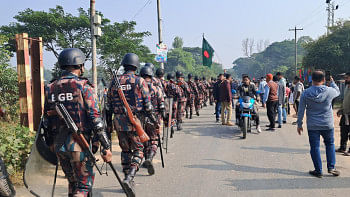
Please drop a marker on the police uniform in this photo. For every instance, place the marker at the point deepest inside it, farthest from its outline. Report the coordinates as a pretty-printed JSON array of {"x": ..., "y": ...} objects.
[
  {"x": 185, "y": 93},
  {"x": 153, "y": 129},
  {"x": 173, "y": 91},
  {"x": 137, "y": 95},
  {"x": 191, "y": 99},
  {"x": 199, "y": 100},
  {"x": 77, "y": 95}
]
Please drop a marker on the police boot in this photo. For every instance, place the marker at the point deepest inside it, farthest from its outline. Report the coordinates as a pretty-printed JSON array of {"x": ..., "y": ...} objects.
[
  {"x": 197, "y": 113},
  {"x": 179, "y": 126},
  {"x": 171, "y": 132},
  {"x": 186, "y": 114},
  {"x": 148, "y": 163},
  {"x": 128, "y": 182},
  {"x": 191, "y": 115}
]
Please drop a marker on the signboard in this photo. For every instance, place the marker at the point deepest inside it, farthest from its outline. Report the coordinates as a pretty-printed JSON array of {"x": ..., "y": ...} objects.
[{"x": 162, "y": 50}]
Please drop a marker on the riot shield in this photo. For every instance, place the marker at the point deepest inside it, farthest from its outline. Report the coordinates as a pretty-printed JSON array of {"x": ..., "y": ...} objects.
[
  {"x": 167, "y": 123},
  {"x": 39, "y": 173}
]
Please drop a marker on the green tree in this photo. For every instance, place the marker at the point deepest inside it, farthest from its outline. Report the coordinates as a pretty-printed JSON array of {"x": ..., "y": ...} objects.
[
  {"x": 178, "y": 42},
  {"x": 119, "y": 39},
  {"x": 330, "y": 52},
  {"x": 60, "y": 30},
  {"x": 277, "y": 57},
  {"x": 8, "y": 81},
  {"x": 189, "y": 60}
]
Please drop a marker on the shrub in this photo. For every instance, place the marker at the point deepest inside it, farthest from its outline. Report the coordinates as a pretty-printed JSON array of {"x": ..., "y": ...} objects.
[{"x": 15, "y": 144}]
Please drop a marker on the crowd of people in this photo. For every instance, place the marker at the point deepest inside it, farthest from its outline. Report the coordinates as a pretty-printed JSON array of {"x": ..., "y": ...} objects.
[
  {"x": 277, "y": 95},
  {"x": 145, "y": 99},
  {"x": 132, "y": 99}
]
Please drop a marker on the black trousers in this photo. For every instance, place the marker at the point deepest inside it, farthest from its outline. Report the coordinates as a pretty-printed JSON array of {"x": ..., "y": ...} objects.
[
  {"x": 271, "y": 112},
  {"x": 344, "y": 133}
]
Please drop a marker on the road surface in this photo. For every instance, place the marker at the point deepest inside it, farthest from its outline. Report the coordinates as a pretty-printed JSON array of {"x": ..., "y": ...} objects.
[{"x": 208, "y": 159}]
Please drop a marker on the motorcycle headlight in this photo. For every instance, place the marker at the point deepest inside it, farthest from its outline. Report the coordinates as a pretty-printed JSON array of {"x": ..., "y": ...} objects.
[{"x": 246, "y": 105}]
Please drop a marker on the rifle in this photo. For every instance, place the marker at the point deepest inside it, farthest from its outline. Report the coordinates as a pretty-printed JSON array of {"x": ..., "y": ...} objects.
[
  {"x": 139, "y": 130},
  {"x": 160, "y": 149},
  {"x": 80, "y": 139}
]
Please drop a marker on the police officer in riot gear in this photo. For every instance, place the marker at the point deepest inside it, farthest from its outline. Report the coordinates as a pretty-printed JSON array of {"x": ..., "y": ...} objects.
[
  {"x": 153, "y": 128},
  {"x": 137, "y": 95},
  {"x": 77, "y": 95}
]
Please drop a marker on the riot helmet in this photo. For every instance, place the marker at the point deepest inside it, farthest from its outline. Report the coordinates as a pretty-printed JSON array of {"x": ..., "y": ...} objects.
[
  {"x": 71, "y": 57},
  {"x": 146, "y": 71},
  {"x": 130, "y": 61},
  {"x": 160, "y": 72}
]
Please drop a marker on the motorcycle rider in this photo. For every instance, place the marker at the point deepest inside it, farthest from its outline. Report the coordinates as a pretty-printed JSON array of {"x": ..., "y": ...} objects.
[{"x": 248, "y": 89}]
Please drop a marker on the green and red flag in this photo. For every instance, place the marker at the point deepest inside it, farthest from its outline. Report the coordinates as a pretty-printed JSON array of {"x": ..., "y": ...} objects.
[{"x": 207, "y": 53}]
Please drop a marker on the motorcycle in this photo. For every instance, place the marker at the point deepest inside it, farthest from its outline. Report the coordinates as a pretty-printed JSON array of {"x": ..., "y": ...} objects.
[{"x": 246, "y": 105}]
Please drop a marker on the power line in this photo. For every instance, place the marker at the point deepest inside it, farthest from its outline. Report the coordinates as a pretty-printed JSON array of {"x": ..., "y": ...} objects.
[
  {"x": 141, "y": 9},
  {"x": 312, "y": 14}
]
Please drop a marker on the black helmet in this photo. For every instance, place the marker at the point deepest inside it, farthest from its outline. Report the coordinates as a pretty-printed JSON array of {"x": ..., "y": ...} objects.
[
  {"x": 160, "y": 72},
  {"x": 196, "y": 78},
  {"x": 204, "y": 78},
  {"x": 131, "y": 59},
  {"x": 179, "y": 74},
  {"x": 146, "y": 71},
  {"x": 170, "y": 76},
  {"x": 71, "y": 57},
  {"x": 189, "y": 76},
  {"x": 149, "y": 65}
]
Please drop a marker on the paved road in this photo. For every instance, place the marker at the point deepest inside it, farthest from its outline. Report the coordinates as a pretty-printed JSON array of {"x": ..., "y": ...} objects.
[{"x": 208, "y": 159}]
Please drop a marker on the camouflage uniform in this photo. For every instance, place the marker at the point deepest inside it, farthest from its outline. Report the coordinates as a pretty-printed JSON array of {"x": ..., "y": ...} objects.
[
  {"x": 173, "y": 91},
  {"x": 206, "y": 92},
  {"x": 77, "y": 95},
  {"x": 137, "y": 94},
  {"x": 191, "y": 99},
  {"x": 200, "y": 94},
  {"x": 185, "y": 93},
  {"x": 157, "y": 97},
  {"x": 211, "y": 92}
]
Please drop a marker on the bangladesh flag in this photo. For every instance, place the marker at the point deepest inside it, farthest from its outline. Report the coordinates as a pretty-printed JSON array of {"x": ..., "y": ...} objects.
[{"x": 207, "y": 52}]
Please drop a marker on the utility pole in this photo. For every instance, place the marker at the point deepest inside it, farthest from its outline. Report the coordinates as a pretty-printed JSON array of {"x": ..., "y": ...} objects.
[
  {"x": 93, "y": 44},
  {"x": 296, "y": 46},
  {"x": 160, "y": 35},
  {"x": 328, "y": 15},
  {"x": 331, "y": 7}
]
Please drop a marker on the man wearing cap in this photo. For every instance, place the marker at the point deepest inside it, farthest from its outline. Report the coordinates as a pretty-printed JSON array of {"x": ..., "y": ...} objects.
[{"x": 271, "y": 101}]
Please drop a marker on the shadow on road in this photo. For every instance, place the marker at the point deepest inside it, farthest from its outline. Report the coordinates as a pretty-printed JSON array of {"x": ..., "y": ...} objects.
[
  {"x": 227, "y": 166},
  {"x": 287, "y": 184},
  {"x": 98, "y": 192},
  {"x": 280, "y": 150},
  {"x": 217, "y": 131}
]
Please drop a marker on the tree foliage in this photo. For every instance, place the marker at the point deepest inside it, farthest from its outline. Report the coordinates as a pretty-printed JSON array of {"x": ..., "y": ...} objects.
[
  {"x": 330, "y": 52},
  {"x": 60, "y": 30},
  {"x": 178, "y": 42},
  {"x": 57, "y": 28},
  {"x": 189, "y": 60},
  {"x": 119, "y": 39},
  {"x": 277, "y": 57},
  {"x": 8, "y": 81}
]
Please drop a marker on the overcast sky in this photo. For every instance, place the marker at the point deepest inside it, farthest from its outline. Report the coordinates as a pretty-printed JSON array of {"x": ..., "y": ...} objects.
[{"x": 225, "y": 22}]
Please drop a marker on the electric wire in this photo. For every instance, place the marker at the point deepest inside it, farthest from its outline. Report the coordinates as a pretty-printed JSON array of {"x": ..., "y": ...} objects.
[{"x": 141, "y": 9}]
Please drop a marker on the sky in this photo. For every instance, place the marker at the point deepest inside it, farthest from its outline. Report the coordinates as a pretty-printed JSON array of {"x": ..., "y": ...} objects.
[{"x": 225, "y": 23}]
